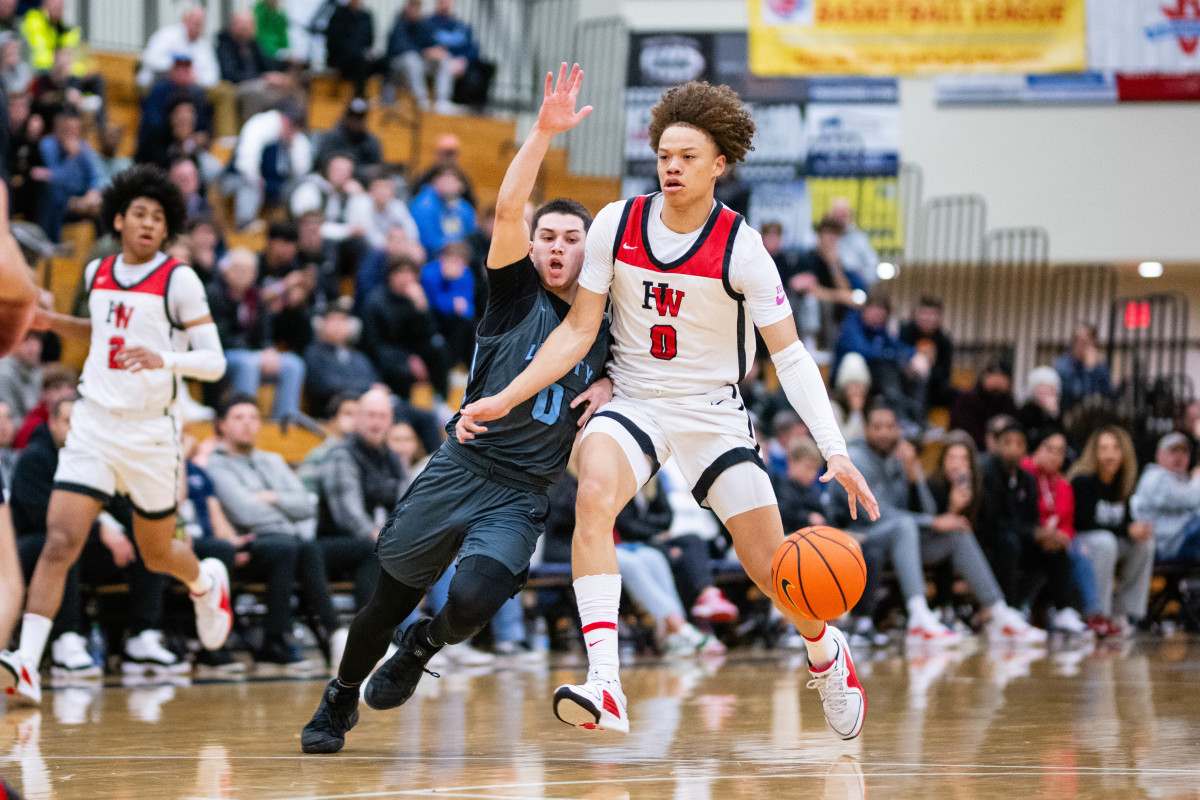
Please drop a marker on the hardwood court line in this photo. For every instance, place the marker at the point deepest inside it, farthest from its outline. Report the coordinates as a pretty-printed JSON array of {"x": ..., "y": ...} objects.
[
  {"x": 1021, "y": 769},
  {"x": 462, "y": 791}
]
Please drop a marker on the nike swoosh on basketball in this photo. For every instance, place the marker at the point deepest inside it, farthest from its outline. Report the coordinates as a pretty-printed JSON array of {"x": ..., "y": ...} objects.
[{"x": 786, "y": 585}]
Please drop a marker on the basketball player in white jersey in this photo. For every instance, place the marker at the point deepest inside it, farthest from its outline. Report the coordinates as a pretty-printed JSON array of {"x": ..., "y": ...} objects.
[
  {"x": 149, "y": 324},
  {"x": 686, "y": 277}
]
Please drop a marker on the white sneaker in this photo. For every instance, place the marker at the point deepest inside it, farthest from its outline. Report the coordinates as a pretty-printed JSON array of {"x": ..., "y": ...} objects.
[
  {"x": 842, "y": 695},
  {"x": 214, "y": 614},
  {"x": 69, "y": 658},
  {"x": 337, "y": 648},
  {"x": 1009, "y": 626},
  {"x": 19, "y": 679},
  {"x": 464, "y": 655},
  {"x": 926, "y": 628},
  {"x": 145, "y": 653},
  {"x": 594, "y": 706},
  {"x": 1067, "y": 620}
]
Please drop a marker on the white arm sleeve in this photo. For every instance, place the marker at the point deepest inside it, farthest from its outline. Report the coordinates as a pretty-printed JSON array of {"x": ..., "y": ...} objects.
[
  {"x": 805, "y": 390},
  {"x": 752, "y": 272},
  {"x": 597, "y": 273},
  {"x": 205, "y": 359}
]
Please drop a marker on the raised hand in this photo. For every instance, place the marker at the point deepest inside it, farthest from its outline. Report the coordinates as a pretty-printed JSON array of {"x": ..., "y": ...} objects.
[{"x": 558, "y": 114}]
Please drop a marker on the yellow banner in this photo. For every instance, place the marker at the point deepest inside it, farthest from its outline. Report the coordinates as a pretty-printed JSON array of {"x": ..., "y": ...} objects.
[{"x": 896, "y": 37}]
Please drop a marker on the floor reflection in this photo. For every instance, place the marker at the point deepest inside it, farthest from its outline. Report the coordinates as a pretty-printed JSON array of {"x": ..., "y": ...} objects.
[{"x": 1069, "y": 720}]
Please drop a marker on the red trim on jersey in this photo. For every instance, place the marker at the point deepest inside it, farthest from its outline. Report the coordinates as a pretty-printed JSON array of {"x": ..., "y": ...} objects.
[
  {"x": 155, "y": 283},
  {"x": 707, "y": 260}
]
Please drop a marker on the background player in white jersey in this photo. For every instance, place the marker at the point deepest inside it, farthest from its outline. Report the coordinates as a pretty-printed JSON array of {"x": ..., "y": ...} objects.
[
  {"x": 682, "y": 270},
  {"x": 146, "y": 311}
]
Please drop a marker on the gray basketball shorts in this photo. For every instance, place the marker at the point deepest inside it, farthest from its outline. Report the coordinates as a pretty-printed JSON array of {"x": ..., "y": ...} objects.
[{"x": 451, "y": 511}]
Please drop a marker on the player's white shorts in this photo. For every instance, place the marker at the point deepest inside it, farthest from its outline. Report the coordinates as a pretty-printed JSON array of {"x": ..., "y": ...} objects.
[
  {"x": 109, "y": 453},
  {"x": 710, "y": 436}
]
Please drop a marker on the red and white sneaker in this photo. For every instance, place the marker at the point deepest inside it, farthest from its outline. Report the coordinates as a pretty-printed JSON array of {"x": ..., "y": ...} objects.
[
  {"x": 714, "y": 606},
  {"x": 214, "y": 612},
  {"x": 842, "y": 695},
  {"x": 19, "y": 679},
  {"x": 925, "y": 628},
  {"x": 594, "y": 706},
  {"x": 1008, "y": 626}
]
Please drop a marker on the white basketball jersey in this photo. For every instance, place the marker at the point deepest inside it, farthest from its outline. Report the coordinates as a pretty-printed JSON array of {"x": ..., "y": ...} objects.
[
  {"x": 678, "y": 328},
  {"x": 130, "y": 316}
]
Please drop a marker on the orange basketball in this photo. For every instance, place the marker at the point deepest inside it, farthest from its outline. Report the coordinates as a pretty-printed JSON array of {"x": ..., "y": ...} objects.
[
  {"x": 819, "y": 572},
  {"x": 15, "y": 316}
]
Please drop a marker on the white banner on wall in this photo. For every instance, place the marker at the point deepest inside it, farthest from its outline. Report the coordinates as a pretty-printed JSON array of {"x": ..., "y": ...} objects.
[
  {"x": 1137, "y": 36},
  {"x": 852, "y": 139}
]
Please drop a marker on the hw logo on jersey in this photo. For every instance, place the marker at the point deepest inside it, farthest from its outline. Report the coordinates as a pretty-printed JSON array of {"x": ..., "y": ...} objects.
[
  {"x": 121, "y": 312},
  {"x": 666, "y": 299}
]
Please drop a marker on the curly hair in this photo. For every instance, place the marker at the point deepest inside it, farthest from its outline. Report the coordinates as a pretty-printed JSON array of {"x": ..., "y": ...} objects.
[
  {"x": 151, "y": 182},
  {"x": 716, "y": 110}
]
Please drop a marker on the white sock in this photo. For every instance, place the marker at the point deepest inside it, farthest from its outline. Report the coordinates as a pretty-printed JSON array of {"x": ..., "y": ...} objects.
[
  {"x": 35, "y": 631},
  {"x": 918, "y": 609},
  {"x": 201, "y": 585},
  {"x": 821, "y": 650},
  {"x": 599, "y": 598}
]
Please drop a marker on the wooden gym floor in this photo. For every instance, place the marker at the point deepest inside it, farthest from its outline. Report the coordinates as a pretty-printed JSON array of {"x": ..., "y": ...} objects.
[{"x": 1119, "y": 721}]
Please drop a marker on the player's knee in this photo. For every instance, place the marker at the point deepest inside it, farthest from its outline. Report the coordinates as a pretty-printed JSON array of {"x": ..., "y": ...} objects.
[
  {"x": 598, "y": 498},
  {"x": 479, "y": 587},
  {"x": 62, "y": 546}
]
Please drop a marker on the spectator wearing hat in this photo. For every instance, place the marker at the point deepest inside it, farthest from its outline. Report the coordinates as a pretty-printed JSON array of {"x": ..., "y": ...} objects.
[
  {"x": 187, "y": 38},
  {"x": 440, "y": 211},
  {"x": 163, "y": 123},
  {"x": 272, "y": 154},
  {"x": 350, "y": 137},
  {"x": 991, "y": 396},
  {"x": 900, "y": 373},
  {"x": 244, "y": 325},
  {"x": 334, "y": 364},
  {"x": 925, "y": 333},
  {"x": 1119, "y": 546},
  {"x": 1083, "y": 374},
  {"x": 445, "y": 154},
  {"x": 851, "y": 387},
  {"x": 1168, "y": 498},
  {"x": 1041, "y": 413},
  {"x": 350, "y": 45}
]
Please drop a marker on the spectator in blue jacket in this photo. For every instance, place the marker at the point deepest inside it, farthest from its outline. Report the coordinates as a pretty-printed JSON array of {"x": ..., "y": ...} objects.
[
  {"x": 74, "y": 181},
  {"x": 441, "y": 213},
  {"x": 413, "y": 52},
  {"x": 455, "y": 43},
  {"x": 1083, "y": 374},
  {"x": 900, "y": 373},
  {"x": 450, "y": 287}
]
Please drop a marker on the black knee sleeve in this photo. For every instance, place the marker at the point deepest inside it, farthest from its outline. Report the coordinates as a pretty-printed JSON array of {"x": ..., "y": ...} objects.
[{"x": 479, "y": 587}]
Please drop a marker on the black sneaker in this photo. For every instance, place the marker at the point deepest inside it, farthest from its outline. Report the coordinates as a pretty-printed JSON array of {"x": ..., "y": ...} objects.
[
  {"x": 338, "y": 713},
  {"x": 279, "y": 652},
  {"x": 396, "y": 679}
]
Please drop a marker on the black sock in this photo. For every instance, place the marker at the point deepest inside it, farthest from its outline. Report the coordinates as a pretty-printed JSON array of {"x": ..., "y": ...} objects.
[
  {"x": 371, "y": 630},
  {"x": 425, "y": 637}
]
